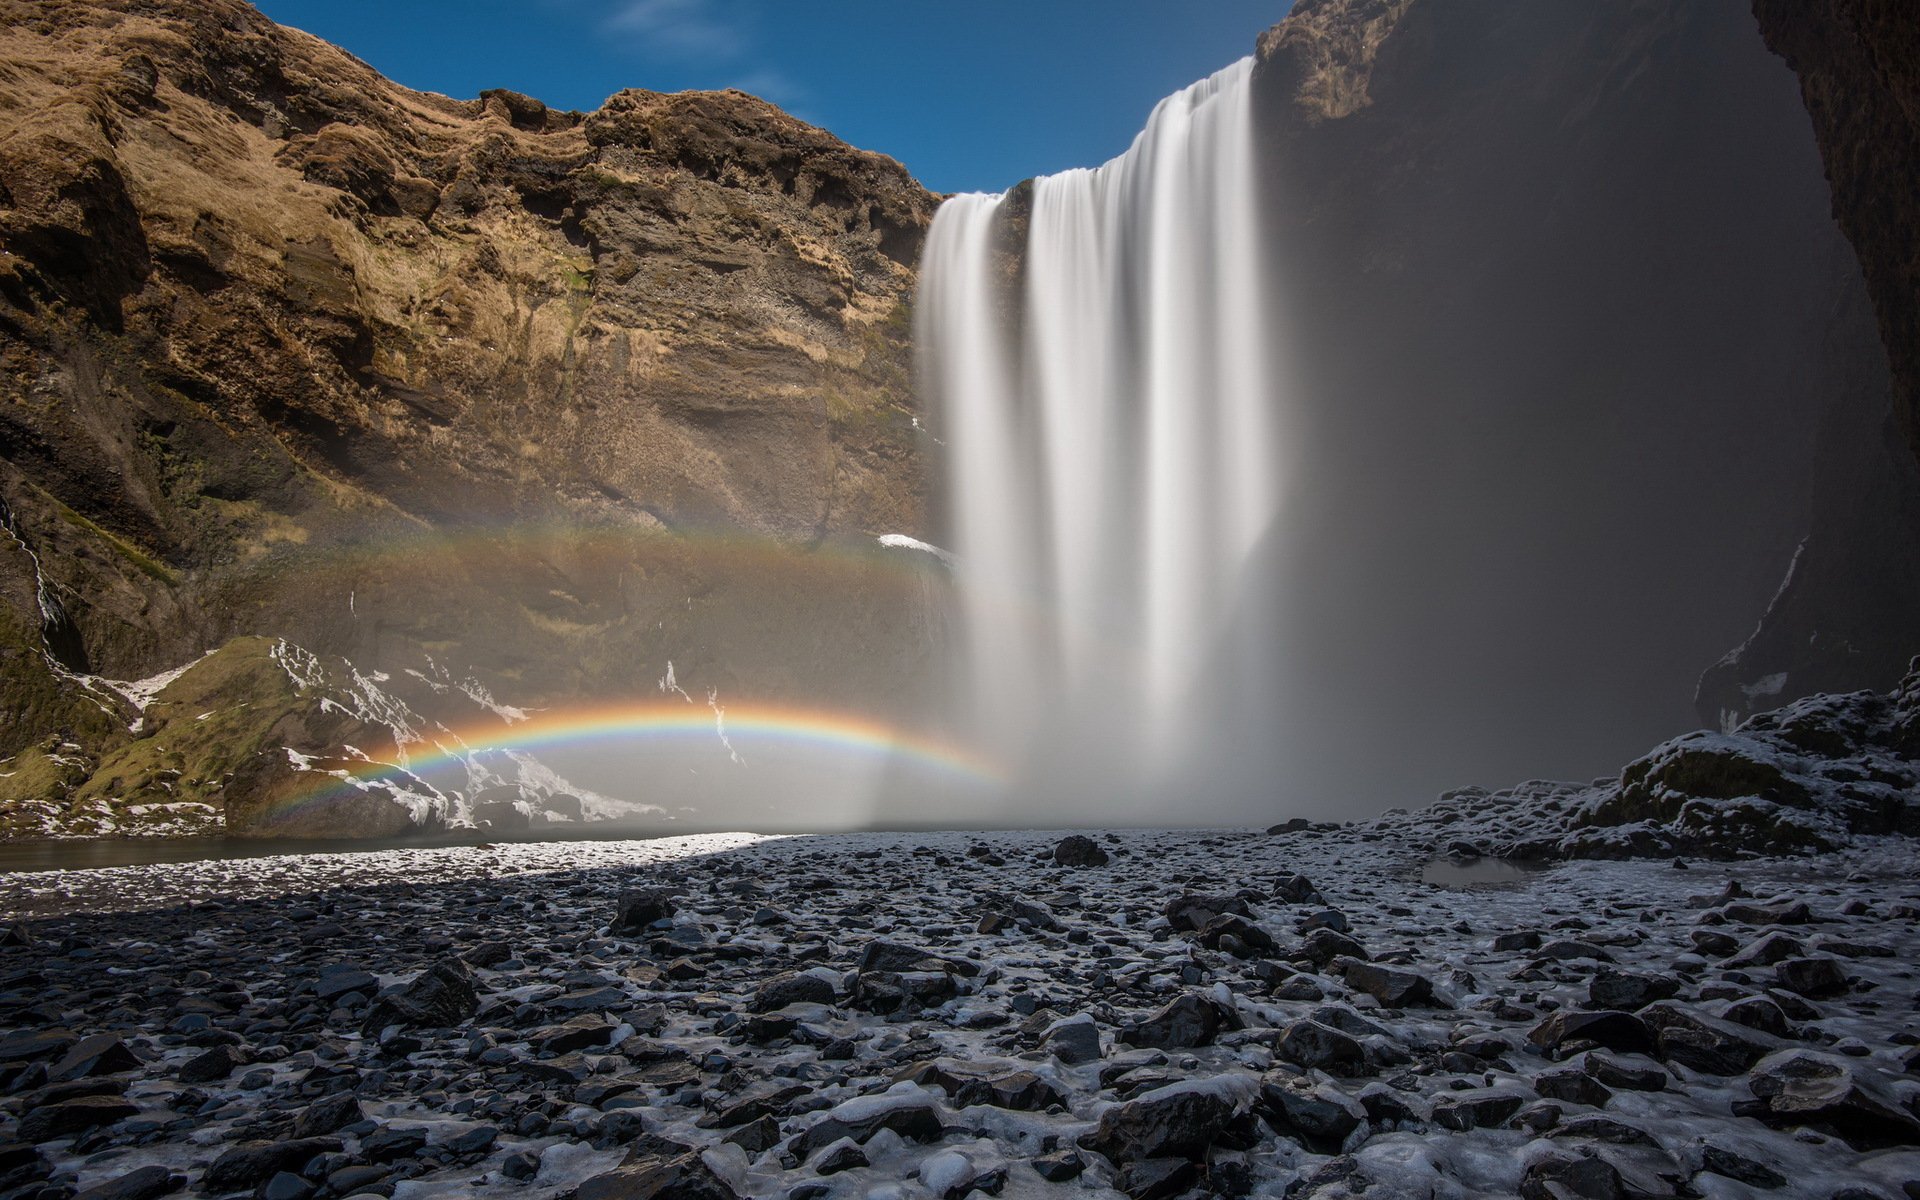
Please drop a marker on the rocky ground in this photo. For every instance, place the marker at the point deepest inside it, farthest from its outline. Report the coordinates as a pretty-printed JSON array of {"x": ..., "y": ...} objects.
[{"x": 903, "y": 1015}]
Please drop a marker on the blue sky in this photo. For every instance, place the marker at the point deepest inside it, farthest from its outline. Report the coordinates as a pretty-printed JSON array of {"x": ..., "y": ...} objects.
[{"x": 972, "y": 95}]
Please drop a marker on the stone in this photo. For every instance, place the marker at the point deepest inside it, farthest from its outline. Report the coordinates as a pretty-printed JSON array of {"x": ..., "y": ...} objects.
[
  {"x": 1615, "y": 1030},
  {"x": 45, "y": 1122},
  {"x": 1803, "y": 1087},
  {"x": 1392, "y": 987},
  {"x": 782, "y": 990},
  {"x": 1078, "y": 850},
  {"x": 1815, "y": 977},
  {"x": 99, "y": 1054},
  {"x": 1731, "y": 1164},
  {"x": 1318, "y": 1116},
  {"x": 441, "y": 996},
  {"x": 1159, "y": 1178},
  {"x": 141, "y": 1183},
  {"x": 1311, "y": 1044},
  {"x": 329, "y": 1114},
  {"x": 1074, "y": 1041},
  {"x": 1565, "y": 1177},
  {"x": 1325, "y": 946},
  {"x": 913, "y": 1119},
  {"x": 245, "y": 1166},
  {"x": 1190, "y": 911},
  {"x": 1477, "y": 1108},
  {"x": 1236, "y": 935},
  {"x": 338, "y": 980},
  {"x": 684, "y": 1177},
  {"x": 843, "y": 1155},
  {"x": 640, "y": 909},
  {"x": 1177, "y": 1122},
  {"x": 756, "y": 1136},
  {"x": 1059, "y": 1166},
  {"x": 1187, "y": 1022},
  {"x": 211, "y": 1065},
  {"x": 1574, "y": 1086},
  {"x": 1628, "y": 991},
  {"x": 1017, "y": 1091},
  {"x": 1702, "y": 1042}
]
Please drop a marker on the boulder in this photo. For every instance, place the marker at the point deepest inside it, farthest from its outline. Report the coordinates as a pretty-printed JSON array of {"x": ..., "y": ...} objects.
[
  {"x": 1078, "y": 850},
  {"x": 442, "y": 996},
  {"x": 1186, "y": 1022}
]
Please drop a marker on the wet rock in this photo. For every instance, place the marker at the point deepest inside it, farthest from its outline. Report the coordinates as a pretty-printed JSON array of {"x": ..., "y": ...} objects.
[
  {"x": 1814, "y": 978},
  {"x": 884, "y": 992},
  {"x": 100, "y": 1054},
  {"x": 1704, "y": 1043},
  {"x": 914, "y": 1119},
  {"x": 211, "y": 1065},
  {"x": 45, "y": 1122},
  {"x": 339, "y": 979},
  {"x": 1574, "y": 1086},
  {"x": 1075, "y": 1040},
  {"x": 1312, "y": 1044},
  {"x": 244, "y": 1166},
  {"x": 638, "y": 911},
  {"x": 1731, "y": 1164},
  {"x": 1802, "y": 1087},
  {"x": 752, "y": 1108},
  {"x": 441, "y": 996},
  {"x": 1078, "y": 850},
  {"x": 487, "y": 954},
  {"x": 1017, "y": 1091},
  {"x": 782, "y": 990},
  {"x": 1237, "y": 936},
  {"x": 1392, "y": 987},
  {"x": 578, "y": 1033},
  {"x": 1159, "y": 1178},
  {"x": 1767, "y": 950},
  {"x": 1180, "y": 1121},
  {"x": 1059, "y": 1166},
  {"x": 1479, "y": 1108},
  {"x": 1566, "y": 1177},
  {"x": 1326, "y": 946},
  {"x": 1795, "y": 913},
  {"x": 141, "y": 1183},
  {"x": 1190, "y": 912},
  {"x": 645, "y": 1177},
  {"x": 1628, "y": 991},
  {"x": 896, "y": 958},
  {"x": 756, "y": 1136},
  {"x": 843, "y": 1155},
  {"x": 327, "y": 1115},
  {"x": 1319, "y": 1117},
  {"x": 1615, "y": 1030},
  {"x": 1761, "y": 1013},
  {"x": 1627, "y": 1076},
  {"x": 1187, "y": 1022}
]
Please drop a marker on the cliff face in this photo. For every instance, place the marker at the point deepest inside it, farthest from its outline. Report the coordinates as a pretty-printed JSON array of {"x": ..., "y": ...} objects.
[
  {"x": 1582, "y": 360},
  {"x": 288, "y": 349},
  {"x": 1859, "y": 67}
]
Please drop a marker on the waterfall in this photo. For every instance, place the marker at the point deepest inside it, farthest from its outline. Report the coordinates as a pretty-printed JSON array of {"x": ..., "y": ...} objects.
[{"x": 1095, "y": 350}]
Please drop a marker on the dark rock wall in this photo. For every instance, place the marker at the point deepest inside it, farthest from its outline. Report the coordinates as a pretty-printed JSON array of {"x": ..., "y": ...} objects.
[{"x": 1567, "y": 320}]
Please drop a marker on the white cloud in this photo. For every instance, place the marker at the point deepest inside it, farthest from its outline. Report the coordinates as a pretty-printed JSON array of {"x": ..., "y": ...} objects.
[{"x": 690, "y": 27}]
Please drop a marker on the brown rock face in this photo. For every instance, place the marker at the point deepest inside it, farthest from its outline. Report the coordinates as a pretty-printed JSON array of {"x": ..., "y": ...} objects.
[{"x": 288, "y": 349}]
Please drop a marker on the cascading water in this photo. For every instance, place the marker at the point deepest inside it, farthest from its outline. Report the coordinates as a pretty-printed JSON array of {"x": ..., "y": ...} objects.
[{"x": 1103, "y": 385}]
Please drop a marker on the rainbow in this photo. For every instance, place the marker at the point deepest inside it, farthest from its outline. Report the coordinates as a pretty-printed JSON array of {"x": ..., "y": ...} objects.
[{"x": 748, "y": 728}]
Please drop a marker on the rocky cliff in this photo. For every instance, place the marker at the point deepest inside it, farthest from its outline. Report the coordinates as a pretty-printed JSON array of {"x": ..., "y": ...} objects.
[
  {"x": 546, "y": 397},
  {"x": 1586, "y": 367}
]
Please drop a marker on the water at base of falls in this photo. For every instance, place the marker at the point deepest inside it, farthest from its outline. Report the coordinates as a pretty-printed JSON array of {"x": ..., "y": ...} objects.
[{"x": 1096, "y": 353}]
